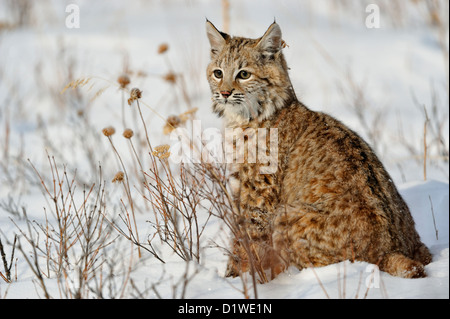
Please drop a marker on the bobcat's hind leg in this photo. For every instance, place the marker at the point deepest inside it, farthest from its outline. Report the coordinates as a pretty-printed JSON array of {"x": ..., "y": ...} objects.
[{"x": 294, "y": 224}]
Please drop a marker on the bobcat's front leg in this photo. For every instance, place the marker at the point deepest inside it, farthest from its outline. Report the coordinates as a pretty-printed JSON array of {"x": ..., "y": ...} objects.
[
  {"x": 237, "y": 261},
  {"x": 256, "y": 196},
  {"x": 253, "y": 251}
]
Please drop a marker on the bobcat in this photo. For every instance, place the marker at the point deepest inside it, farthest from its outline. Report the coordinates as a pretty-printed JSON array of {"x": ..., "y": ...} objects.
[{"x": 330, "y": 198}]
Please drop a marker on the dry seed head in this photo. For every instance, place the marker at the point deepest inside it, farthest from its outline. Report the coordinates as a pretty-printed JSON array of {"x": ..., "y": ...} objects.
[
  {"x": 134, "y": 95},
  {"x": 108, "y": 131},
  {"x": 170, "y": 77},
  {"x": 162, "y": 148},
  {"x": 128, "y": 133},
  {"x": 163, "y": 48},
  {"x": 118, "y": 177},
  {"x": 172, "y": 123},
  {"x": 98, "y": 93},
  {"x": 123, "y": 80},
  {"x": 174, "y": 120},
  {"x": 189, "y": 114},
  {"x": 162, "y": 151},
  {"x": 76, "y": 83}
]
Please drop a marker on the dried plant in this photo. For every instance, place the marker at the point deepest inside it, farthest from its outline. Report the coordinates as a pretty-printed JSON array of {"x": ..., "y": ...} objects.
[
  {"x": 7, "y": 277},
  {"x": 70, "y": 242}
]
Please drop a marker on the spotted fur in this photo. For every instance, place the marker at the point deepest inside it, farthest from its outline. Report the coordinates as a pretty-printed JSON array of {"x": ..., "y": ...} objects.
[{"x": 330, "y": 199}]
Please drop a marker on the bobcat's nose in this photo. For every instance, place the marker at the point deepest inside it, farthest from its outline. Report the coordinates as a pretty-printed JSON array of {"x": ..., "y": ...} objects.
[{"x": 225, "y": 94}]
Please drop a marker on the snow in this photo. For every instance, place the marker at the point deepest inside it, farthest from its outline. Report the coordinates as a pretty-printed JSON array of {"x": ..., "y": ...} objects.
[{"x": 326, "y": 44}]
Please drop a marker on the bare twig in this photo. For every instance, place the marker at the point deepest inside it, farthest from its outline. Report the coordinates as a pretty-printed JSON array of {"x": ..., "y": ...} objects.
[
  {"x": 7, "y": 276},
  {"x": 434, "y": 220}
]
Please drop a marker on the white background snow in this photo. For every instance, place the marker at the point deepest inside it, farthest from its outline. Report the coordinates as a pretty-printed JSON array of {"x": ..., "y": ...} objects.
[{"x": 400, "y": 67}]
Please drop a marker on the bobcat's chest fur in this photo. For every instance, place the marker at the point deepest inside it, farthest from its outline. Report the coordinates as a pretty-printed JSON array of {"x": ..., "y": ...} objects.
[{"x": 256, "y": 191}]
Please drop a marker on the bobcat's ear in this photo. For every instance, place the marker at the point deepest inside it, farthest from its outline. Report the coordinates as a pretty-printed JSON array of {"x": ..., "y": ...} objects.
[
  {"x": 270, "y": 42},
  {"x": 216, "y": 38}
]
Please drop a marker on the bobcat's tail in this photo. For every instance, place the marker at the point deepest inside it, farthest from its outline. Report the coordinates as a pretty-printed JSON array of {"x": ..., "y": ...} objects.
[
  {"x": 399, "y": 265},
  {"x": 422, "y": 254}
]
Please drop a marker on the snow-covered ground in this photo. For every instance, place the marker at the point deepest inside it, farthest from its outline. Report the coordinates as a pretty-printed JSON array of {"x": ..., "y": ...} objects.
[{"x": 393, "y": 72}]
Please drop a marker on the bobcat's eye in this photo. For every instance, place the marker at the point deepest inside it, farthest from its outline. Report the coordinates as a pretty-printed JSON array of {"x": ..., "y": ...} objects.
[
  {"x": 244, "y": 75},
  {"x": 218, "y": 74}
]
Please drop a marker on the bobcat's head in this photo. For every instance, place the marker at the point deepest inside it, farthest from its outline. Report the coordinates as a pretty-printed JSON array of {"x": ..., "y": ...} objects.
[{"x": 248, "y": 77}]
